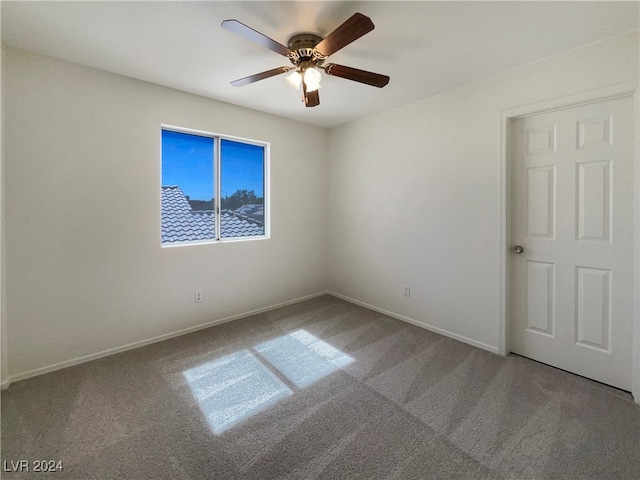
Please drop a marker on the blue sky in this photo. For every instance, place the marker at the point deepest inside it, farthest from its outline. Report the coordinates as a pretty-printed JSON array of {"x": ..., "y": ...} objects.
[{"x": 187, "y": 161}]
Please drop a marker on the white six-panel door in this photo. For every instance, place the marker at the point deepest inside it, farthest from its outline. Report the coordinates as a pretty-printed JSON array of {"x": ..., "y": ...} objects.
[{"x": 572, "y": 212}]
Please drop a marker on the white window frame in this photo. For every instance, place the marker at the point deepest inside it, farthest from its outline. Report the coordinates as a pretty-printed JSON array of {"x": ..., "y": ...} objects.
[{"x": 217, "y": 139}]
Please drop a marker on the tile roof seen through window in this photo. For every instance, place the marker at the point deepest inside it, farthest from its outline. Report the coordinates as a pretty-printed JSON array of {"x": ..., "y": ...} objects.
[{"x": 180, "y": 223}]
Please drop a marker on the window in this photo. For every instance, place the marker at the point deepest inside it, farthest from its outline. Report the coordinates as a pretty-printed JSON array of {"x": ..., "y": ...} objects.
[{"x": 213, "y": 187}]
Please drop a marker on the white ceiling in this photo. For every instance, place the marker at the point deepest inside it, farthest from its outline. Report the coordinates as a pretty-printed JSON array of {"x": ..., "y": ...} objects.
[{"x": 425, "y": 47}]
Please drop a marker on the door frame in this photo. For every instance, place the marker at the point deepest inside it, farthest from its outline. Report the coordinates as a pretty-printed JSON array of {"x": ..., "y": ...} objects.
[{"x": 626, "y": 89}]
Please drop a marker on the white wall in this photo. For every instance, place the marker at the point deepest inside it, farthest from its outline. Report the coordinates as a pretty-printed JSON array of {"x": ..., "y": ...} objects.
[
  {"x": 85, "y": 271},
  {"x": 4, "y": 344},
  {"x": 414, "y": 192}
]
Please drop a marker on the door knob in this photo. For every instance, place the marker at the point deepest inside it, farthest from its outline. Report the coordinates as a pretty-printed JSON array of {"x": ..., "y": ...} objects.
[{"x": 518, "y": 249}]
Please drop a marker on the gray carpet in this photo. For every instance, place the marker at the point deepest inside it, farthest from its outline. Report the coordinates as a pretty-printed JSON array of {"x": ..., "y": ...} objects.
[{"x": 320, "y": 389}]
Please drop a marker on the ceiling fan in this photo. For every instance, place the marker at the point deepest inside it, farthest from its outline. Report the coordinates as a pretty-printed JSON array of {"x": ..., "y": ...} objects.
[{"x": 307, "y": 52}]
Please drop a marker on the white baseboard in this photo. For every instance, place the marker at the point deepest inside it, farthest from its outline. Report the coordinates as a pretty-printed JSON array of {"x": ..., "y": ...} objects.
[
  {"x": 112, "y": 351},
  {"x": 149, "y": 341},
  {"x": 412, "y": 321}
]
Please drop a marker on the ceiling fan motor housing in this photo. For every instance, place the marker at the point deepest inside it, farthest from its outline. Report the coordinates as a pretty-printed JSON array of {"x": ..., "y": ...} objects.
[{"x": 303, "y": 48}]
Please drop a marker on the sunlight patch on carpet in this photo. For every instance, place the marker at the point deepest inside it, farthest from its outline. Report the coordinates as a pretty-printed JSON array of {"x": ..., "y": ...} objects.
[
  {"x": 233, "y": 388},
  {"x": 302, "y": 357}
]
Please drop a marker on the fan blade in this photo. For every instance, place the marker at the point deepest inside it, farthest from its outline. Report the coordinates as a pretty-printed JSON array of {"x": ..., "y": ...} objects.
[
  {"x": 241, "y": 82},
  {"x": 311, "y": 99},
  {"x": 355, "y": 27},
  {"x": 362, "y": 76},
  {"x": 247, "y": 32}
]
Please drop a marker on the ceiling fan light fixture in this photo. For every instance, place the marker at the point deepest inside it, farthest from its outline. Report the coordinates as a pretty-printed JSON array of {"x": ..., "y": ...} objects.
[
  {"x": 312, "y": 79},
  {"x": 294, "y": 79}
]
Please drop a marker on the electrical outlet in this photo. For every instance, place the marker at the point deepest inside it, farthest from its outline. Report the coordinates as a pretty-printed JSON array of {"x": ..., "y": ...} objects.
[
  {"x": 407, "y": 291},
  {"x": 197, "y": 297}
]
